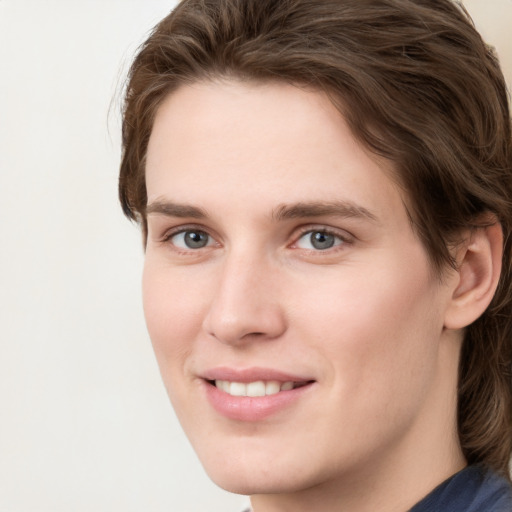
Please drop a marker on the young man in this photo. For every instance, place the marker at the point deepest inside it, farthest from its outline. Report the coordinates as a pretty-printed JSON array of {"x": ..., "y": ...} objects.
[{"x": 324, "y": 191}]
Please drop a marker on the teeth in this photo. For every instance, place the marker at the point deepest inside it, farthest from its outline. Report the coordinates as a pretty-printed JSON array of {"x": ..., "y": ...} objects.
[
  {"x": 253, "y": 389},
  {"x": 272, "y": 387},
  {"x": 287, "y": 386},
  {"x": 238, "y": 389}
]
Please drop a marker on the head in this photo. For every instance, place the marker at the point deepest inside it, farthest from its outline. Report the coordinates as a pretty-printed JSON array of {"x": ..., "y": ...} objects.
[{"x": 419, "y": 91}]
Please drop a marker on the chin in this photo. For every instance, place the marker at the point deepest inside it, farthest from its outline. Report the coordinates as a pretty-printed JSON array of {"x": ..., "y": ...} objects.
[
  {"x": 248, "y": 470},
  {"x": 249, "y": 480}
]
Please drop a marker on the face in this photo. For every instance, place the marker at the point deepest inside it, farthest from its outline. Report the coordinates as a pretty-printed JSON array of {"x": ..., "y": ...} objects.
[{"x": 293, "y": 311}]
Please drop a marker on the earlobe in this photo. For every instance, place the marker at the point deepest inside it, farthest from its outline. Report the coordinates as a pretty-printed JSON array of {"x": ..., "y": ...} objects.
[{"x": 479, "y": 268}]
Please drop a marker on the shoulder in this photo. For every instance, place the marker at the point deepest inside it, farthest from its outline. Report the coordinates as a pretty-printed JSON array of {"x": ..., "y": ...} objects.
[{"x": 474, "y": 489}]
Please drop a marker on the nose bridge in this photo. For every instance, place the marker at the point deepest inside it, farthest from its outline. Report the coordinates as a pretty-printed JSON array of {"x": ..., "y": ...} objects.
[{"x": 245, "y": 304}]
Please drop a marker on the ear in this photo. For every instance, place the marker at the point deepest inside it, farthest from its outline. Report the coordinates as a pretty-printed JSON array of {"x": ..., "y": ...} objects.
[{"x": 479, "y": 267}]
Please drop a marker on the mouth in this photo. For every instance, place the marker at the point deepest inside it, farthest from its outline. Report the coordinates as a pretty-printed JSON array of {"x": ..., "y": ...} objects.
[
  {"x": 255, "y": 394},
  {"x": 257, "y": 388}
]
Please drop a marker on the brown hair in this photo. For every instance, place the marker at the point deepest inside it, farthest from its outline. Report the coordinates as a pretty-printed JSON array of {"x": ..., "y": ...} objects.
[{"x": 417, "y": 85}]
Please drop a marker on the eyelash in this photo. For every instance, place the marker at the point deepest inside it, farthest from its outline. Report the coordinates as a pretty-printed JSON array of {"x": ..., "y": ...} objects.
[
  {"x": 342, "y": 239},
  {"x": 167, "y": 238}
]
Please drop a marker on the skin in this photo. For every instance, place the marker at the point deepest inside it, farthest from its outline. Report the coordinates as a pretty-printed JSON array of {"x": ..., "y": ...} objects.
[{"x": 365, "y": 320}]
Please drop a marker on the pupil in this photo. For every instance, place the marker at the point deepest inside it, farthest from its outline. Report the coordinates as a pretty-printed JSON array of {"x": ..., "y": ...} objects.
[
  {"x": 321, "y": 240},
  {"x": 196, "y": 239}
]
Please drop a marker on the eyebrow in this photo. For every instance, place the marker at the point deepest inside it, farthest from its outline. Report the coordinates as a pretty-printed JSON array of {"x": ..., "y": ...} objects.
[
  {"x": 283, "y": 212},
  {"x": 345, "y": 209},
  {"x": 171, "y": 209}
]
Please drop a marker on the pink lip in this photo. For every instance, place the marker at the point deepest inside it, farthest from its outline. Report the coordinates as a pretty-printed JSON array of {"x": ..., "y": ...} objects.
[
  {"x": 251, "y": 375},
  {"x": 252, "y": 409}
]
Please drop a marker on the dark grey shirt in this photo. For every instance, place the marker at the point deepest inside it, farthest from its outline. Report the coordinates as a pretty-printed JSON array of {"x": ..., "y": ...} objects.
[{"x": 474, "y": 489}]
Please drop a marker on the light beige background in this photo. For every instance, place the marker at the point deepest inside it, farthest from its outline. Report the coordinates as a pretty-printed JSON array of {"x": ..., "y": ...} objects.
[{"x": 84, "y": 421}]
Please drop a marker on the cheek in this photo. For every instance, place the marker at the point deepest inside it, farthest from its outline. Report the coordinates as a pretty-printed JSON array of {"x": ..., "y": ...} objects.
[
  {"x": 379, "y": 330},
  {"x": 173, "y": 312}
]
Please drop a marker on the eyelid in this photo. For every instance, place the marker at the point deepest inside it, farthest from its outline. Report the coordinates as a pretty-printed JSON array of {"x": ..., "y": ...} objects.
[
  {"x": 343, "y": 235},
  {"x": 168, "y": 234}
]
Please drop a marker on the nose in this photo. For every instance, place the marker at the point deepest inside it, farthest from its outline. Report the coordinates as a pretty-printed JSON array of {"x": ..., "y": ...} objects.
[{"x": 245, "y": 305}]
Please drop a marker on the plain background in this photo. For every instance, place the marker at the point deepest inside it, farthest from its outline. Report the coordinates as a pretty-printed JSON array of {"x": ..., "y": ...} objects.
[{"x": 85, "y": 424}]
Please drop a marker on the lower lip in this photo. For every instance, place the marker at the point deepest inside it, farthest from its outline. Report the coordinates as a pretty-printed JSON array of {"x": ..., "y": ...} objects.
[{"x": 247, "y": 408}]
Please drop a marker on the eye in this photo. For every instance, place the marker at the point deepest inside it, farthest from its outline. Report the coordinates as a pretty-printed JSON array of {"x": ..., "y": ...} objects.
[
  {"x": 319, "y": 240},
  {"x": 190, "y": 239}
]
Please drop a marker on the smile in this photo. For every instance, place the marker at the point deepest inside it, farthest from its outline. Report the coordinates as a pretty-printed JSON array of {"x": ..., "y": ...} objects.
[
  {"x": 257, "y": 388},
  {"x": 254, "y": 395}
]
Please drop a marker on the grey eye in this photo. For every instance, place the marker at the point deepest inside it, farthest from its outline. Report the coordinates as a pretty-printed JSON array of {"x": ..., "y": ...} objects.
[
  {"x": 191, "y": 239},
  {"x": 318, "y": 240},
  {"x": 322, "y": 241}
]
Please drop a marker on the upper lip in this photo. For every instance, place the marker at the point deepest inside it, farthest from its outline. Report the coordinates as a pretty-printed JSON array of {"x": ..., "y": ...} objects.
[{"x": 251, "y": 375}]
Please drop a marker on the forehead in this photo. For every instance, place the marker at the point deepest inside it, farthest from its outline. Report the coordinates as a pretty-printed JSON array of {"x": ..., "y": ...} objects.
[{"x": 273, "y": 141}]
